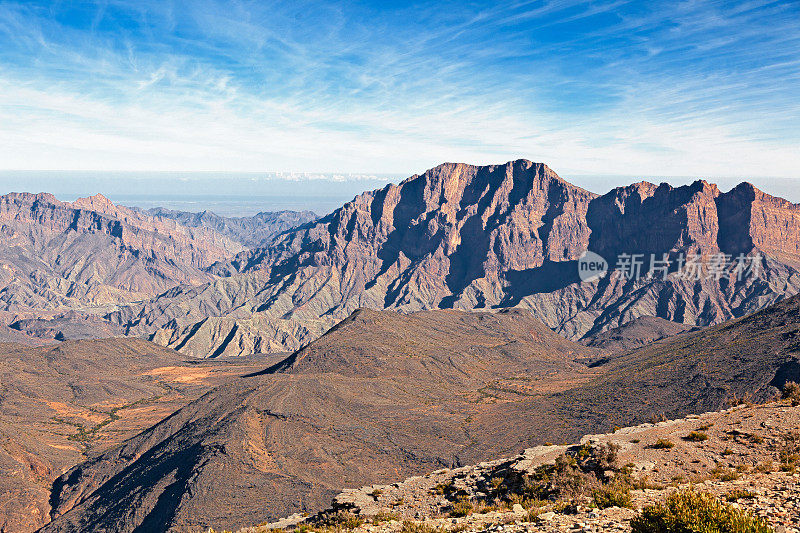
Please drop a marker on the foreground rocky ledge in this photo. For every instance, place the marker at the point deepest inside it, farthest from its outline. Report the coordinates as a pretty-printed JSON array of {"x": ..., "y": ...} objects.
[{"x": 746, "y": 455}]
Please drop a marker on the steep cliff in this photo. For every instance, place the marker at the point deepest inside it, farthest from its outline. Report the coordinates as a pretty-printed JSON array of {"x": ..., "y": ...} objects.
[{"x": 469, "y": 237}]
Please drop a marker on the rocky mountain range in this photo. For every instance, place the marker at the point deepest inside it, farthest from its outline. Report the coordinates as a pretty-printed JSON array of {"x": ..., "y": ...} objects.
[
  {"x": 384, "y": 395},
  {"x": 251, "y": 232},
  {"x": 90, "y": 253},
  {"x": 469, "y": 237},
  {"x": 424, "y": 325},
  {"x": 70, "y": 263}
]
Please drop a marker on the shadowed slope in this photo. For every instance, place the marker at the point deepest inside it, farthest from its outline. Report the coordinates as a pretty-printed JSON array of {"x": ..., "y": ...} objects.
[
  {"x": 481, "y": 237},
  {"x": 383, "y": 396},
  {"x": 61, "y": 404}
]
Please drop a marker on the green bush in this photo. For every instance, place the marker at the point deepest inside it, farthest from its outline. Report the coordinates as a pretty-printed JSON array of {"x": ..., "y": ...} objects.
[
  {"x": 663, "y": 444},
  {"x": 689, "y": 511},
  {"x": 612, "y": 495}
]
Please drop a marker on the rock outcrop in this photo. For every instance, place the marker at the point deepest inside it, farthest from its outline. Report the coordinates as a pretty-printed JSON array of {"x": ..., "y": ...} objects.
[{"x": 740, "y": 461}]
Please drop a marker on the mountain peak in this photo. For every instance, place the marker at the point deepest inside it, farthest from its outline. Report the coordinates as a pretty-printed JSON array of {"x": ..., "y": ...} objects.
[
  {"x": 96, "y": 202},
  {"x": 481, "y": 237}
]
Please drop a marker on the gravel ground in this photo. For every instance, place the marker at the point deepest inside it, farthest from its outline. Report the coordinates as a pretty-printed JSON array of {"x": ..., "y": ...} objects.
[{"x": 740, "y": 449}]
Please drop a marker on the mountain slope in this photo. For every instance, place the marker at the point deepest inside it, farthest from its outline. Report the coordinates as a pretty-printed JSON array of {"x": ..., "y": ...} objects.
[
  {"x": 61, "y": 404},
  {"x": 60, "y": 255},
  {"x": 468, "y": 237},
  {"x": 634, "y": 334},
  {"x": 737, "y": 439},
  {"x": 383, "y": 396}
]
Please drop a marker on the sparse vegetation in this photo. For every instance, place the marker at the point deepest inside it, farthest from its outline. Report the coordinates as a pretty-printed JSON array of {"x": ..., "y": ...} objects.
[
  {"x": 342, "y": 520},
  {"x": 765, "y": 466},
  {"x": 696, "y": 436},
  {"x": 791, "y": 392},
  {"x": 663, "y": 444},
  {"x": 532, "y": 515},
  {"x": 790, "y": 452},
  {"x": 689, "y": 511},
  {"x": 739, "y": 494},
  {"x": 612, "y": 495},
  {"x": 443, "y": 488},
  {"x": 724, "y": 474},
  {"x": 384, "y": 516},
  {"x": 417, "y": 527},
  {"x": 461, "y": 507}
]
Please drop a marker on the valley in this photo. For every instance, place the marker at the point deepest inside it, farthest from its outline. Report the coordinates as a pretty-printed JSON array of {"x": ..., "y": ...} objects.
[{"x": 170, "y": 371}]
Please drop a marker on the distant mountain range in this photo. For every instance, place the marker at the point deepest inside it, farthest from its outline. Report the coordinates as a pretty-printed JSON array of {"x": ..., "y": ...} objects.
[
  {"x": 457, "y": 236},
  {"x": 427, "y": 324},
  {"x": 467, "y": 237},
  {"x": 59, "y": 255},
  {"x": 251, "y": 232},
  {"x": 62, "y": 261}
]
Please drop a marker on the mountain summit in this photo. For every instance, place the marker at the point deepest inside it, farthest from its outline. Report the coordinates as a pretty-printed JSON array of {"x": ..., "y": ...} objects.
[{"x": 482, "y": 237}]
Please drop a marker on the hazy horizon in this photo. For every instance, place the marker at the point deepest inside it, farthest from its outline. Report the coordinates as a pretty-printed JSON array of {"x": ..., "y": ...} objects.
[{"x": 247, "y": 193}]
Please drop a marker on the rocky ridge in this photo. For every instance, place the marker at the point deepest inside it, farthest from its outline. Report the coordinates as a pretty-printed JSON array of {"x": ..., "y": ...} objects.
[
  {"x": 748, "y": 456},
  {"x": 469, "y": 237},
  {"x": 90, "y": 253},
  {"x": 634, "y": 334},
  {"x": 251, "y": 232}
]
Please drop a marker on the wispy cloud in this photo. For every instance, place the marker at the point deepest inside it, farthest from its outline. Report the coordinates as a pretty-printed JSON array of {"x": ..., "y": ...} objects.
[{"x": 617, "y": 87}]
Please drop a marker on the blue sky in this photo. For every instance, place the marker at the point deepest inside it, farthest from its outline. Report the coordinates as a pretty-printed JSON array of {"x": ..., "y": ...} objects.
[{"x": 684, "y": 88}]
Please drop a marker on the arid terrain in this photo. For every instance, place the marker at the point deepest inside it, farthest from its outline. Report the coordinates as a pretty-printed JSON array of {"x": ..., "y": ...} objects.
[
  {"x": 171, "y": 371},
  {"x": 468, "y": 237},
  {"x": 384, "y": 396},
  {"x": 457, "y": 236},
  {"x": 61, "y": 405},
  {"x": 516, "y": 266},
  {"x": 745, "y": 455}
]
